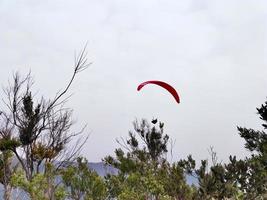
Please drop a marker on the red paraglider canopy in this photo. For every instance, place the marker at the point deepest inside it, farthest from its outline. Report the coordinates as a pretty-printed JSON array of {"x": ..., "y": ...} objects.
[{"x": 164, "y": 85}]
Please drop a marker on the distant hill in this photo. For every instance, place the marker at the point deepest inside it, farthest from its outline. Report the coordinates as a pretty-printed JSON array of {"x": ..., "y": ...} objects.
[{"x": 101, "y": 169}]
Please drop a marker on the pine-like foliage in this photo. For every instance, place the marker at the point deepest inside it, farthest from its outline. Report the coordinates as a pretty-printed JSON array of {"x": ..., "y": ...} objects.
[{"x": 255, "y": 175}]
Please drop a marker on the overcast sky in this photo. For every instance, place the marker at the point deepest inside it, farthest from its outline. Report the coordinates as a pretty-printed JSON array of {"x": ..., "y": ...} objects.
[{"x": 212, "y": 51}]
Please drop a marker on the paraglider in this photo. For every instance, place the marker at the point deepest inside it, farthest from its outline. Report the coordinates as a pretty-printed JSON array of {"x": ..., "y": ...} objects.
[{"x": 166, "y": 86}]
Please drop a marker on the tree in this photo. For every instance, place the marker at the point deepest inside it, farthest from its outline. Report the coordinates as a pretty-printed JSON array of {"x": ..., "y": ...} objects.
[
  {"x": 173, "y": 177},
  {"x": 238, "y": 179},
  {"x": 83, "y": 183},
  {"x": 255, "y": 173},
  {"x": 39, "y": 131},
  {"x": 256, "y": 141},
  {"x": 6, "y": 157},
  {"x": 214, "y": 182},
  {"x": 146, "y": 144},
  {"x": 144, "y": 172},
  {"x": 41, "y": 184}
]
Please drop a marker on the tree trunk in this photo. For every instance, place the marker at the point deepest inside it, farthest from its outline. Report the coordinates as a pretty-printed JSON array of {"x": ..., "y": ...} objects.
[
  {"x": 7, "y": 159},
  {"x": 7, "y": 193}
]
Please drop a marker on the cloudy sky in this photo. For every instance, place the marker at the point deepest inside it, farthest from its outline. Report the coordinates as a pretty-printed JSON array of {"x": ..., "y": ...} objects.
[{"x": 212, "y": 51}]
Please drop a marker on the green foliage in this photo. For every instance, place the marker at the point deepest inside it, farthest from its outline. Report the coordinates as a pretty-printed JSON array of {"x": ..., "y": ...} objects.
[
  {"x": 81, "y": 182},
  {"x": 144, "y": 173},
  {"x": 31, "y": 118},
  {"x": 253, "y": 179},
  {"x": 147, "y": 146},
  {"x": 9, "y": 144},
  {"x": 187, "y": 165},
  {"x": 5, "y": 169},
  {"x": 214, "y": 183},
  {"x": 174, "y": 182},
  {"x": 38, "y": 187},
  {"x": 154, "y": 139},
  {"x": 135, "y": 185}
]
